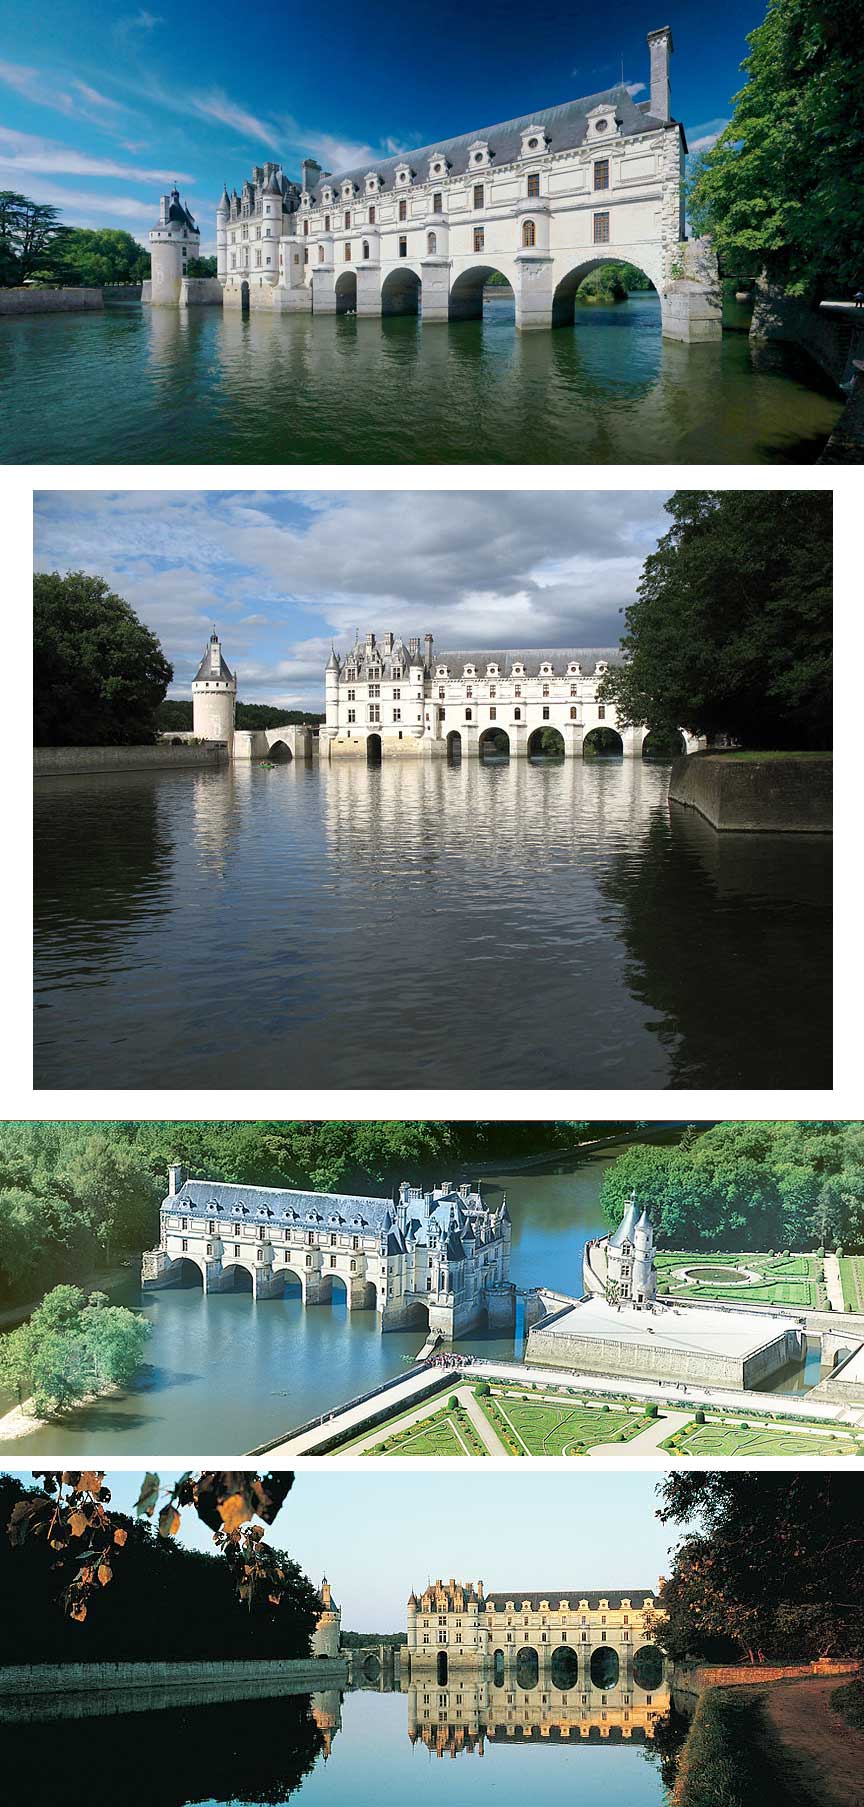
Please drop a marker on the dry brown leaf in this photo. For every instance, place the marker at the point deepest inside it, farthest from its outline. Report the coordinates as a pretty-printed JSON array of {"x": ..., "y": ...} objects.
[
  {"x": 120, "y": 1536},
  {"x": 77, "y": 1524},
  {"x": 233, "y": 1510},
  {"x": 169, "y": 1521},
  {"x": 104, "y": 1573},
  {"x": 91, "y": 1481}
]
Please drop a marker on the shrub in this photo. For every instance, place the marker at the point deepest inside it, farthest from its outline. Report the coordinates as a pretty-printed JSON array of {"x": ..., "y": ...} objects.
[
  {"x": 651, "y": 1410},
  {"x": 452, "y": 1403},
  {"x": 700, "y": 1416}
]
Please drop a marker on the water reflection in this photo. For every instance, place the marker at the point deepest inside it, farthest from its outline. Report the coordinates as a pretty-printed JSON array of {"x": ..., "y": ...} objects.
[
  {"x": 543, "y": 925},
  {"x": 463, "y": 1718}
]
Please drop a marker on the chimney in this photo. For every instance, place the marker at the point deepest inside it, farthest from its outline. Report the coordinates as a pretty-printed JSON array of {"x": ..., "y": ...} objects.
[
  {"x": 311, "y": 172},
  {"x": 388, "y": 643},
  {"x": 370, "y": 641},
  {"x": 427, "y": 638},
  {"x": 414, "y": 647},
  {"x": 176, "y": 1179},
  {"x": 660, "y": 49}
]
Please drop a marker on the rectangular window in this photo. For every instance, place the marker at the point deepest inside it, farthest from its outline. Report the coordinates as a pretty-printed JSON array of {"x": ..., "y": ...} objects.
[
  {"x": 436, "y": 203},
  {"x": 441, "y": 715},
  {"x": 601, "y": 228},
  {"x": 545, "y": 712},
  {"x": 493, "y": 713},
  {"x": 403, "y": 247},
  {"x": 305, "y": 228},
  {"x": 352, "y": 715},
  {"x": 326, "y": 222},
  {"x": 601, "y": 173},
  {"x": 371, "y": 216},
  {"x": 403, "y": 210},
  {"x": 479, "y": 194},
  {"x": 601, "y": 712},
  {"x": 347, "y": 254},
  {"x": 534, "y": 185},
  {"x": 347, "y": 218},
  {"x": 397, "y": 715},
  {"x": 479, "y": 238},
  {"x": 374, "y": 712},
  {"x": 305, "y": 255}
]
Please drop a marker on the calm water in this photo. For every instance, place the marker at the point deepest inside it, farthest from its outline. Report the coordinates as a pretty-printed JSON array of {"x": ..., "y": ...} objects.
[
  {"x": 422, "y": 926},
  {"x": 266, "y": 1751},
  {"x": 157, "y": 386},
  {"x": 224, "y": 1373}
]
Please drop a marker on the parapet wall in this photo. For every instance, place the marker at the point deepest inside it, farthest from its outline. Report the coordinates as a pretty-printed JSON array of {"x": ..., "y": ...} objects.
[
  {"x": 756, "y": 796},
  {"x": 582, "y": 1352},
  {"x": 50, "y": 301},
  {"x": 53, "y": 762},
  {"x": 200, "y": 291},
  {"x": 94, "y": 1690}
]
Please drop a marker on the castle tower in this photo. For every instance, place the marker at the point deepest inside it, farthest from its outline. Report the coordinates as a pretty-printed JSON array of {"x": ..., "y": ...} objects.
[
  {"x": 271, "y": 209},
  {"x": 631, "y": 1276},
  {"x": 173, "y": 242},
  {"x": 214, "y": 695},
  {"x": 325, "y": 1637},
  {"x": 644, "y": 1289},
  {"x": 222, "y": 216},
  {"x": 332, "y": 673}
]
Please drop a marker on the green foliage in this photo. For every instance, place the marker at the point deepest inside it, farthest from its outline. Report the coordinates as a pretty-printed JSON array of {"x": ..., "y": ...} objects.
[
  {"x": 72, "y": 1346},
  {"x": 848, "y": 1701},
  {"x": 791, "y": 1184},
  {"x": 99, "y": 674},
  {"x": 29, "y": 234},
  {"x": 201, "y": 266},
  {"x": 174, "y": 715},
  {"x": 781, "y": 190},
  {"x": 90, "y": 259},
  {"x": 731, "y": 632},
  {"x": 729, "y": 1757}
]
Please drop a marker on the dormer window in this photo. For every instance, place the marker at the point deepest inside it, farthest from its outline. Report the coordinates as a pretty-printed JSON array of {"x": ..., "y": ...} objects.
[
  {"x": 373, "y": 182},
  {"x": 327, "y": 195},
  {"x": 535, "y": 141},
  {"x": 347, "y": 191},
  {"x": 479, "y": 154},
  {"x": 402, "y": 174},
  {"x": 603, "y": 122}
]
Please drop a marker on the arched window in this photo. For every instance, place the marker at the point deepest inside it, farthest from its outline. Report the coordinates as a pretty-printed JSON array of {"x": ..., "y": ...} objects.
[
  {"x": 431, "y": 244},
  {"x": 529, "y": 232},
  {"x": 365, "y": 248},
  {"x": 574, "y": 715},
  {"x": 320, "y": 254}
]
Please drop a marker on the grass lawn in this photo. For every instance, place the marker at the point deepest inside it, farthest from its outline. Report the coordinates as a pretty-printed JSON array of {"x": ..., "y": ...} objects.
[
  {"x": 786, "y": 1279},
  {"x": 852, "y": 1281},
  {"x": 443, "y": 1433},
  {"x": 781, "y": 753},
  {"x": 545, "y": 1428},
  {"x": 729, "y": 1439}
]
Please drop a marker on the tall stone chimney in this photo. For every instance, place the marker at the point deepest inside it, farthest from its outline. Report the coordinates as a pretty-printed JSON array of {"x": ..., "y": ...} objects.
[
  {"x": 427, "y": 641},
  {"x": 660, "y": 49},
  {"x": 176, "y": 1179}
]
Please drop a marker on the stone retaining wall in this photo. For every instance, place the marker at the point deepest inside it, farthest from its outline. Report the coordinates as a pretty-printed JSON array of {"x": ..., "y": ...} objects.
[
  {"x": 50, "y": 301},
  {"x": 753, "y": 796},
  {"x": 94, "y": 1690},
  {"x": 51, "y": 762},
  {"x": 690, "y": 1680}
]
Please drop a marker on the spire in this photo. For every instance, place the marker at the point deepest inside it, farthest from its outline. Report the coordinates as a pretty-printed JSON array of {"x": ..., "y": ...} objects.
[{"x": 223, "y": 204}]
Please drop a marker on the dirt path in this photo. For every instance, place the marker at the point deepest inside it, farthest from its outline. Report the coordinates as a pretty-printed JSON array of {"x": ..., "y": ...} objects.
[
  {"x": 833, "y": 1282},
  {"x": 819, "y": 1749}
]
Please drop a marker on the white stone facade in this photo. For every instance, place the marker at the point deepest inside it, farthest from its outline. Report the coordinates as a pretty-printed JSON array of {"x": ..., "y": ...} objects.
[
  {"x": 541, "y": 200},
  {"x": 214, "y": 696},
  {"x": 416, "y": 701},
  {"x": 325, "y": 1637},
  {"x": 472, "y": 1628},
  {"x": 173, "y": 242}
]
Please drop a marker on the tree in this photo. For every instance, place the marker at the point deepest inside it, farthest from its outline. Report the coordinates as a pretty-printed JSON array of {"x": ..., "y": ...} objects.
[
  {"x": 781, "y": 190},
  {"x": 72, "y": 1345},
  {"x": 731, "y": 632},
  {"x": 29, "y": 234},
  {"x": 201, "y": 266},
  {"x": 92, "y": 258},
  {"x": 99, "y": 673}
]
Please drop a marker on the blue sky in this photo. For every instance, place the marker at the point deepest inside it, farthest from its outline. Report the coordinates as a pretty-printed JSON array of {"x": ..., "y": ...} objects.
[
  {"x": 102, "y": 105},
  {"x": 284, "y": 573},
  {"x": 376, "y": 1537}
]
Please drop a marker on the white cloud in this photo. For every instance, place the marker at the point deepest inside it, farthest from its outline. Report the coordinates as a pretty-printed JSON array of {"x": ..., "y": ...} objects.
[
  {"x": 634, "y": 88},
  {"x": 95, "y": 98},
  {"x": 23, "y": 151},
  {"x": 44, "y": 89},
  {"x": 78, "y": 207},
  {"x": 219, "y": 106},
  {"x": 702, "y": 144}
]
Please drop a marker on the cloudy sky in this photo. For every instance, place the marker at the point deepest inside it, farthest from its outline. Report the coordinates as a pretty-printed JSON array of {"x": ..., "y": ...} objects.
[
  {"x": 377, "y": 1536},
  {"x": 102, "y": 105},
  {"x": 281, "y": 574}
]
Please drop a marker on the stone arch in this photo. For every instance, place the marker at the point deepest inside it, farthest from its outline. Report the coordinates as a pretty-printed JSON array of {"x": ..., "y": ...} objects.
[
  {"x": 454, "y": 746},
  {"x": 666, "y": 746},
  {"x": 564, "y": 296},
  {"x": 466, "y": 290},
  {"x": 191, "y": 1271},
  {"x": 494, "y": 743},
  {"x": 244, "y": 297},
  {"x": 235, "y": 1275},
  {"x": 292, "y": 1282},
  {"x": 373, "y": 749},
  {"x": 603, "y": 742},
  {"x": 334, "y": 1289},
  {"x": 441, "y": 1669},
  {"x": 280, "y": 752},
  {"x": 498, "y": 1668},
  {"x": 346, "y": 291},
  {"x": 648, "y": 1668},
  {"x": 527, "y": 1667},
  {"x": 546, "y": 742},
  {"x": 605, "y": 1667},
  {"x": 401, "y": 291},
  {"x": 564, "y": 1668}
]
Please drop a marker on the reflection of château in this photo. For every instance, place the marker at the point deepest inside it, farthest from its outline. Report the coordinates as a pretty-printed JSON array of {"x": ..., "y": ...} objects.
[{"x": 455, "y": 1720}]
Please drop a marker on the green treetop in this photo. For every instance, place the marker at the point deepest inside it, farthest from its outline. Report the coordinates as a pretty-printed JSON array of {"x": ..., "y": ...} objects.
[{"x": 99, "y": 674}]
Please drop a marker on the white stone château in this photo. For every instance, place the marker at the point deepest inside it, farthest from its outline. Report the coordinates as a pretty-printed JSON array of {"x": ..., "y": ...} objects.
[
  {"x": 432, "y": 1257},
  {"x": 541, "y": 200},
  {"x": 402, "y": 698},
  {"x": 598, "y": 1633}
]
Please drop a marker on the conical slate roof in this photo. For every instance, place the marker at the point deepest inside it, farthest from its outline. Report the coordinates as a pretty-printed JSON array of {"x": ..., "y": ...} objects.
[
  {"x": 627, "y": 1227},
  {"x": 204, "y": 672}
]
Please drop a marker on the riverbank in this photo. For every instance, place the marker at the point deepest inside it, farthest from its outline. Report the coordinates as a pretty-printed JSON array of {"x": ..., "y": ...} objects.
[
  {"x": 22, "y": 1421},
  {"x": 60, "y": 762},
  {"x": 832, "y": 335},
  {"x": 756, "y": 793},
  {"x": 781, "y": 1745},
  {"x": 50, "y": 1691}
]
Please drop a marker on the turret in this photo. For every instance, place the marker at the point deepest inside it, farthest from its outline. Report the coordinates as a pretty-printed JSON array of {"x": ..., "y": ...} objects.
[
  {"x": 223, "y": 212},
  {"x": 214, "y": 696},
  {"x": 271, "y": 230},
  {"x": 173, "y": 241}
]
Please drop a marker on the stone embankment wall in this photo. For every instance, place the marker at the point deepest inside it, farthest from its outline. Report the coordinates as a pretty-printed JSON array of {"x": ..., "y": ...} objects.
[
  {"x": 835, "y": 341},
  {"x": 52, "y": 762},
  {"x": 690, "y": 1680},
  {"x": 92, "y": 1690},
  {"x": 50, "y": 301},
  {"x": 756, "y": 796}
]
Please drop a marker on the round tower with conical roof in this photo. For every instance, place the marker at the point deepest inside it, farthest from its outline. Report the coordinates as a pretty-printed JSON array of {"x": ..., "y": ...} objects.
[
  {"x": 223, "y": 211},
  {"x": 325, "y": 1637},
  {"x": 173, "y": 241},
  {"x": 214, "y": 696}
]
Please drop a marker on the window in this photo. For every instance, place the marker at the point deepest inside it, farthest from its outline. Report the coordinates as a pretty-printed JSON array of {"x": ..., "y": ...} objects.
[
  {"x": 431, "y": 243},
  {"x": 332, "y": 1242},
  {"x": 533, "y": 185},
  {"x": 469, "y": 714},
  {"x": 601, "y": 712},
  {"x": 601, "y": 228},
  {"x": 529, "y": 232},
  {"x": 397, "y": 696},
  {"x": 403, "y": 247},
  {"x": 441, "y": 691},
  {"x": 479, "y": 238},
  {"x": 601, "y": 173},
  {"x": 374, "y": 689},
  {"x": 371, "y": 216},
  {"x": 545, "y": 712},
  {"x": 305, "y": 257},
  {"x": 403, "y": 210},
  {"x": 326, "y": 222},
  {"x": 493, "y": 713},
  {"x": 517, "y": 715},
  {"x": 545, "y": 689},
  {"x": 365, "y": 249},
  {"x": 374, "y": 712},
  {"x": 305, "y": 228},
  {"x": 436, "y": 204},
  {"x": 352, "y": 715},
  {"x": 320, "y": 254},
  {"x": 441, "y": 715},
  {"x": 397, "y": 715},
  {"x": 184, "y": 1244},
  {"x": 347, "y": 254},
  {"x": 347, "y": 218},
  {"x": 574, "y": 715},
  {"x": 492, "y": 690},
  {"x": 517, "y": 690},
  {"x": 479, "y": 195}
]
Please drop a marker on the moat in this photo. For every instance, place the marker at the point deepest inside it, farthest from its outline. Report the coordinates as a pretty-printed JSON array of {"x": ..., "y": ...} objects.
[
  {"x": 242, "y": 1373},
  {"x": 207, "y": 387},
  {"x": 483, "y": 925}
]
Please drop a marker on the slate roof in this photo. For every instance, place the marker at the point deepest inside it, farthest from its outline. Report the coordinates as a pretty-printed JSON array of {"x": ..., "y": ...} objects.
[
  {"x": 556, "y": 1597},
  {"x": 565, "y": 126},
  {"x": 215, "y": 1198},
  {"x": 559, "y": 657},
  {"x": 204, "y": 671},
  {"x": 627, "y": 1227}
]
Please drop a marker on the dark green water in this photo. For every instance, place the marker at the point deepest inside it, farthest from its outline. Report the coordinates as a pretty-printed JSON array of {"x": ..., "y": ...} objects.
[
  {"x": 156, "y": 386},
  {"x": 422, "y": 925}
]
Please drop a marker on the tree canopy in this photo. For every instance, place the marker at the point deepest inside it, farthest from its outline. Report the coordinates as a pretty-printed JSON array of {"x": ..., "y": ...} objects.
[
  {"x": 29, "y": 232},
  {"x": 71, "y": 1346},
  {"x": 731, "y": 630},
  {"x": 781, "y": 190},
  {"x": 761, "y": 1185},
  {"x": 175, "y": 715},
  {"x": 99, "y": 674},
  {"x": 92, "y": 258}
]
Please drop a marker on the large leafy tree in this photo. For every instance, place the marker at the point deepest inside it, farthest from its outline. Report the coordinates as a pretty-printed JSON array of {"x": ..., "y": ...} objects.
[
  {"x": 781, "y": 190},
  {"x": 91, "y": 258},
  {"x": 731, "y": 630},
  {"x": 29, "y": 235},
  {"x": 72, "y": 1345},
  {"x": 99, "y": 673}
]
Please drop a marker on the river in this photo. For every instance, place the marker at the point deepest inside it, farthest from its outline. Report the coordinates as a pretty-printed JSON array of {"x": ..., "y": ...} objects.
[
  {"x": 422, "y": 925},
  {"x": 157, "y": 386},
  {"x": 225, "y": 1373}
]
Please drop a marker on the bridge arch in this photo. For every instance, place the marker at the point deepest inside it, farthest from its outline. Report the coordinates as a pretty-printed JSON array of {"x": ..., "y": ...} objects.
[
  {"x": 603, "y": 743},
  {"x": 292, "y": 1283},
  {"x": 527, "y": 1667},
  {"x": 373, "y": 749},
  {"x": 372, "y": 1666},
  {"x": 237, "y": 1277},
  {"x": 546, "y": 743},
  {"x": 564, "y": 295},
  {"x": 346, "y": 292},
  {"x": 454, "y": 746},
  {"x": 494, "y": 743},
  {"x": 191, "y": 1271},
  {"x": 401, "y": 291},
  {"x": 334, "y": 1290},
  {"x": 244, "y": 297},
  {"x": 564, "y": 1668},
  {"x": 280, "y": 752},
  {"x": 648, "y": 1668},
  {"x": 466, "y": 290},
  {"x": 605, "y": 1667}
]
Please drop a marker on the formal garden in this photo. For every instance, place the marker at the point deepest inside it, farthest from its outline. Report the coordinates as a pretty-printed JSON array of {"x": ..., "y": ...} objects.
[
  {"x": 708, "y": 1437},
  {"x": 446, "y": 1432},
  {"x": 852, "y": 1281},
  {"x": 546, "y": 1426},
  {"x": 754, "y": 1279}
]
